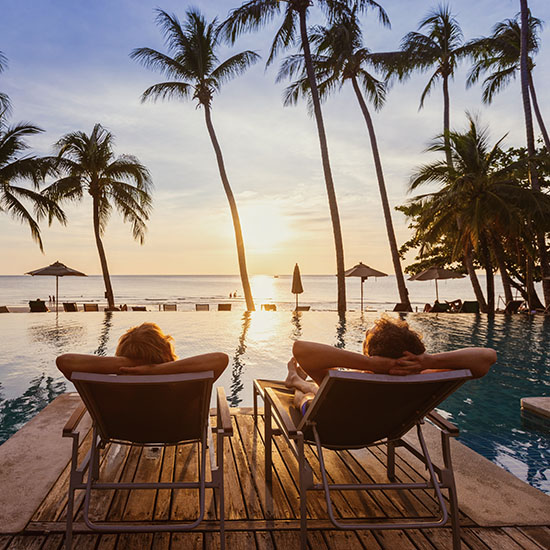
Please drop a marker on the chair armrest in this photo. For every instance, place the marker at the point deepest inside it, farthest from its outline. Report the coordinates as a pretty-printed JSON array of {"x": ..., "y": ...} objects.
[
  {"x": 72, "y": 423},
  {"x": 223, "y": 414},
  {"x": 443, "y": 424},
  {"x": 286, "y": 422}
]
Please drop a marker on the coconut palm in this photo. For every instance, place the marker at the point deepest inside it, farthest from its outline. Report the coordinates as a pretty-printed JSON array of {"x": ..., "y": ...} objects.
[
  {"x": 479, "y": 204},
  {"x": 255, "y": 14},
  {"x": 341, "y": 57},
  {"x": 14, "y": 167},
  {"x": 194, "y": 70},
  {"x": 5, "y": 104},
  {"x": 440, "y": 48},
  {"x": 88, "y": 163},
  {"x": 499, "y": 55}
]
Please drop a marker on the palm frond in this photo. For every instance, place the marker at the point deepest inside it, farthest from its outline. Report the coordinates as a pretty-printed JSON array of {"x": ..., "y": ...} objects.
[
  {"x": 284, "y": 36},
  {"x": 167, "y": 90},
  {"x": 10, "y": 204},
  {"x": 234, "y": 66}
]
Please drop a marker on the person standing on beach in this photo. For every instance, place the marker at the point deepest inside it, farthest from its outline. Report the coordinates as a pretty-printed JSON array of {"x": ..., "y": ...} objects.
[{"x": 144, "y": 349}]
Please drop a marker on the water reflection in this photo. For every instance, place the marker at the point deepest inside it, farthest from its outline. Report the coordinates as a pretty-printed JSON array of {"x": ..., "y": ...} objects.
[
  {"x": 16, "y": 412},
  {"x": 341, "y": 332},
  {"x": 237, "y": 385},
  {"x": 59, "y": 336},
  {"x": 104, "y": 334},
  {"x": 297, "y": 324}
]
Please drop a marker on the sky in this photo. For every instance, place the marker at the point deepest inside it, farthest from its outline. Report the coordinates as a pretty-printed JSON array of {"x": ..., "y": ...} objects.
[{"x": 69, "y": 68}]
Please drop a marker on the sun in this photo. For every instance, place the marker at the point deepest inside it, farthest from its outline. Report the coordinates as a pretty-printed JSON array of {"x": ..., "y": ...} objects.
[{"x": 265, "y": 227}]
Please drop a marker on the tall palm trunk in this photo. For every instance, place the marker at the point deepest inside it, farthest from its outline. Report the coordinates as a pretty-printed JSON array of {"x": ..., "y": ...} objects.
[
  {"x": 333, "y": 205},
  {"x": 533, "y": 176},
  {"x": 478, "y": 291},
  {"x": 234, "y": 211},
  {"x": 102, "y": 257},
  {"x": 499, "y": 255},
  {"x": 403, "y": 292},
  {"x": 447, "y": 121},
  {"x": 538, "y": 115},
  {"x": 490, "y": 277}
]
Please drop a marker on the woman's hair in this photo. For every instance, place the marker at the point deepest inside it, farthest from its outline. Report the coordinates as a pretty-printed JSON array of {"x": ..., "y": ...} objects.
[
  {"x": 391, "y": 338},
  {"x": 146, "y": 343}
]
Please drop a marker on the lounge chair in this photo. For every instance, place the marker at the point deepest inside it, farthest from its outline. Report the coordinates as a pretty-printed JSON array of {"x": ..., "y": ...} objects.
[
  {"x": 355, "y": 410},
  {"x": 38, "y": 306},
  {"x": 202, "y": 307},
  {"x": 91, "y": 307},
  {"x": 513, "y": 306},
  {"x": 177, "y": 412},
  {"x": 469, "y": 307},
  {"x": 139, "y": 308},
  {"x": 224, "y": 307},
  {"x": 439, "y": 308},
  {"x": 4, "y": 309},
  {"x": 302, "y": 308},
  {"x": 455, "y": 306},
  {"x": 169, "y": 307},
  {"x": 269, "y": 307},
  {"x": 70, "y": 307}
]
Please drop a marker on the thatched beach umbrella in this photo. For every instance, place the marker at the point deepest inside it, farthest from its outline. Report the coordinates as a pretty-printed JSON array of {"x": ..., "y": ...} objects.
[
  {"x": 57, "y": 269},
  {"x": 363, "y": 271},
  {"x": 297, "y": 287},
  {"x": 435, "y": 273}
]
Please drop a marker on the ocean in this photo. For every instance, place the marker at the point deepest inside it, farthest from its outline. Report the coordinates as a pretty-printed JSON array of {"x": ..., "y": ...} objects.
[{"x": 380, "y": 294}]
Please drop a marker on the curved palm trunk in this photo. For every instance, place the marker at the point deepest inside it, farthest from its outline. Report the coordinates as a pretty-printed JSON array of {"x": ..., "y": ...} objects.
[
  {"x": 234, "y": 212},
  {"x": 333, "y": 205},
  {"x": 478, "y": 291},
  {"x": 403, "y": 292},
  {"x": 533, "y": 176},
  {"x": 499, "y": 255},
  {"x": 447, "y": 121},
  {"x": 488, "y": 266},
  {"x": 102, "y": 257},
  {"x": 538, "y": 115}
]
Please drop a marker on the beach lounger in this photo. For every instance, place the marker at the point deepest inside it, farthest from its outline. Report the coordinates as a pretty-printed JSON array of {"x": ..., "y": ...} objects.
[
  {"x": 469, "y": 307},
  {"x": 4, "y": 309},
  {"x": 139, "y": 308},
  {"x": 224, "y": 307},
  {"x": 439, "y": 308},
  {"x": 354, "y": 410},
  {"x": 177, "y": 412},
  {"x": 202, "y": 307},
  {"x": 513, "y": 306},
  {"x": 91, "y": 307},
  {"x": 70, "y": 307},
  {"x": 302, "y": 308},
  {"x": 269, "y": 307},
  {"x": 169, "y": 307},
  {"x": 38, "y": 306}
]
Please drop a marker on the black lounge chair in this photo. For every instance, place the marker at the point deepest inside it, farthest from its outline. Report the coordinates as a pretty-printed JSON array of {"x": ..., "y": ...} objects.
[
  {"x": 224, "y": 307},
  {"x": 91, "y": 307},
  {"x": 177, "y": 412},
  {"x": 439, "y": 308},
  {"x": 139, "y": 308},
  {"x": 38, "y": 306},
  {"x": 355, "y": 410},
  {"x": 4, "y": 309},
  {"x": 302, "y": 308},
  {"x": 202, "y": 307},
  {"x": 70, "y": 307},
  {"x": 469, "y": 307},
  {"x": 169, "y": 307},
  {"x": 513, "y": 306}
]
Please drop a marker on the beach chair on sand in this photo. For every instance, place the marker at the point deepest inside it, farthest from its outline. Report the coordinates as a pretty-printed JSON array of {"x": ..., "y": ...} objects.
[
  {"x": 139, "y": 308},
  {"x": 354, "y": 410},
  {"x": 202, "y": 307},
  {"x": 469, "y": 307},
  {"x": 169, "y": 307},
  {"x": 224, "y": 307},
  {"x": 4, "y": 309},
  {"x": 177, "y": 412},
  {"x": 38, "y": 306},
  {"x": 513, "y": 306},
  {"x": 269, "y": 307},
  {"x": 91, "y": 307},
  {"x": 70, "y": 307},
  {"x": 302, "y": 308}
]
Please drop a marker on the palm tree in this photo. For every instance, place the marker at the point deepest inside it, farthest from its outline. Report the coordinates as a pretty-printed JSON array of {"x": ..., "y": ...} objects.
[
  {"x": 14, "y": 167},
  {"x": 340, "y": 56},
  {"x": 440, "y": 48},
  {"x": 89, "y": 164},
  {"x": 193, "y": 66},
  {"x": 253, "y": 15},
  {"x": 5, "y": 104},
  {"x": 499, "y": 55},
  {"x": 479, "y": 204}
]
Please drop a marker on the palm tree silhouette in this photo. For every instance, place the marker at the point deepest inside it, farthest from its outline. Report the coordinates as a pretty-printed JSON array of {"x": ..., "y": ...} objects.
[
  {"x": 14, "y": 167},
  {"x": 89, "y": 164},
  {"x": 5, "y": 104},
  {"x": 194, "y": 71},
  {"x": 440, "y": 48},
  {"x": 253, "y": 15},
  {"x": 340, "y": 56},
  {"x": 499, "y": 55}
]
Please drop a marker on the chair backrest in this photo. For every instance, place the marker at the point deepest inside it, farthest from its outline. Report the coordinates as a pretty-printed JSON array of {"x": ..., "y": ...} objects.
[
  {"x": 202, "y": 307},
  {"x": 355, "y": 409},
  {"x": 69, "y": 306},
  {"x": 4, "y": 309},
  {"x": 169, "y": 307},
  {"x": 513, "y": 306},
  {"x": 38, "y": 306},
  {"x": 161, "y": 409},
  {"x": 470, "y": 307},
  {"x": 224, "y": 307},
  {"x": 139, "y": 308},
  {"x": 439, "y": 308},
  {"x": 302, "y": 308},
  {"x": 269, "y": 307},
  {"x": 91, "y": 307}
]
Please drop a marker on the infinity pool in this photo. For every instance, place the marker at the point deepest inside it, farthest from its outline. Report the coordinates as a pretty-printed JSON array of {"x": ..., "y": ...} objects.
[{"x": 487, "y": 411}]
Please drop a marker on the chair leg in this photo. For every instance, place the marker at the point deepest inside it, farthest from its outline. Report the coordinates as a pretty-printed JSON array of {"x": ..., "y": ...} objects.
[
  {"x": 255, "y": 401},
  {"x": 391, "y": 461},
  {"x": 449, "y": 481},
  {"x": 303, "y": 494},
  {"x": 268, "y": 432},
  {"x": 221, "y": 493},
  {"x": 69, "y": 527}
]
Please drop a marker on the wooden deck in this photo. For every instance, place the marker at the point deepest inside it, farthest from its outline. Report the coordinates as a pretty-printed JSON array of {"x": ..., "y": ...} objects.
[{"x": 255, "y": 516}]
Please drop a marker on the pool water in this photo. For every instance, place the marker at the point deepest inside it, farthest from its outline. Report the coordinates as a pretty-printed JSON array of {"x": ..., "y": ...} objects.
[{"x": 487, "y": 411}]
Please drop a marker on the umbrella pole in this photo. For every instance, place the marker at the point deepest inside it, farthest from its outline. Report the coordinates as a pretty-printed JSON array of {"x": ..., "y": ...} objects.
[
  {"x": 436, "y": 291},
  {"x": 361, "y": 293},
  {"x": 296, "y": 301},
  {"x": 56, "y": 293}
]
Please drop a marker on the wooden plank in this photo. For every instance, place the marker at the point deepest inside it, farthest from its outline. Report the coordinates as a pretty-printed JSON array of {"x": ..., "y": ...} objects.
[
  {"x": 164, "y": 496},
  {"x": 5, "y": 541},
  {"x": 53, "y": 542},
  {"x": 264, "y": 540},
  {"x": 286, "y": 539},
  {"x": 275, "y": 502},
  {"x": 141, "y": 502},
  {"x": 315, "y": 540},
  {"x": 369, "y": 540},
  {"x": 211, "y": 541},
  {"x": 496, "y": 538},
  {"x": 25, "y": 542},
  {"x": 343, "y": 539},
  {"x": 389, "y": 540},
  {"x": 240, "y": 540},
  {"x": 419, "y": 539},
  {"x": 161, "y": 541},
  {"x": 132, "y": 541},
  {"x": 85, "y": 542},
  {"x": 444, "y": 536},
  {"x": 107, "y": 542},
  {"x": 187, "y": 541},
  {"x": 185, "y": 503},
  {"x": 522, "y": 539},
  {"x": 541, "y": 535}
]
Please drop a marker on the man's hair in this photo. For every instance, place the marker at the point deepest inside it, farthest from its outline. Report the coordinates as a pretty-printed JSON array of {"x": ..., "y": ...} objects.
[
  {"x": 146, "y": 343},
  {"x": 391, "y": 338}
]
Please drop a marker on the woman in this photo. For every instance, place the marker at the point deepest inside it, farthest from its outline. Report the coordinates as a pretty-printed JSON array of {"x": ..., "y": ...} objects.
[
  {"x": 390, "y": 347},
  {"x": 144, "y": 349}
]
